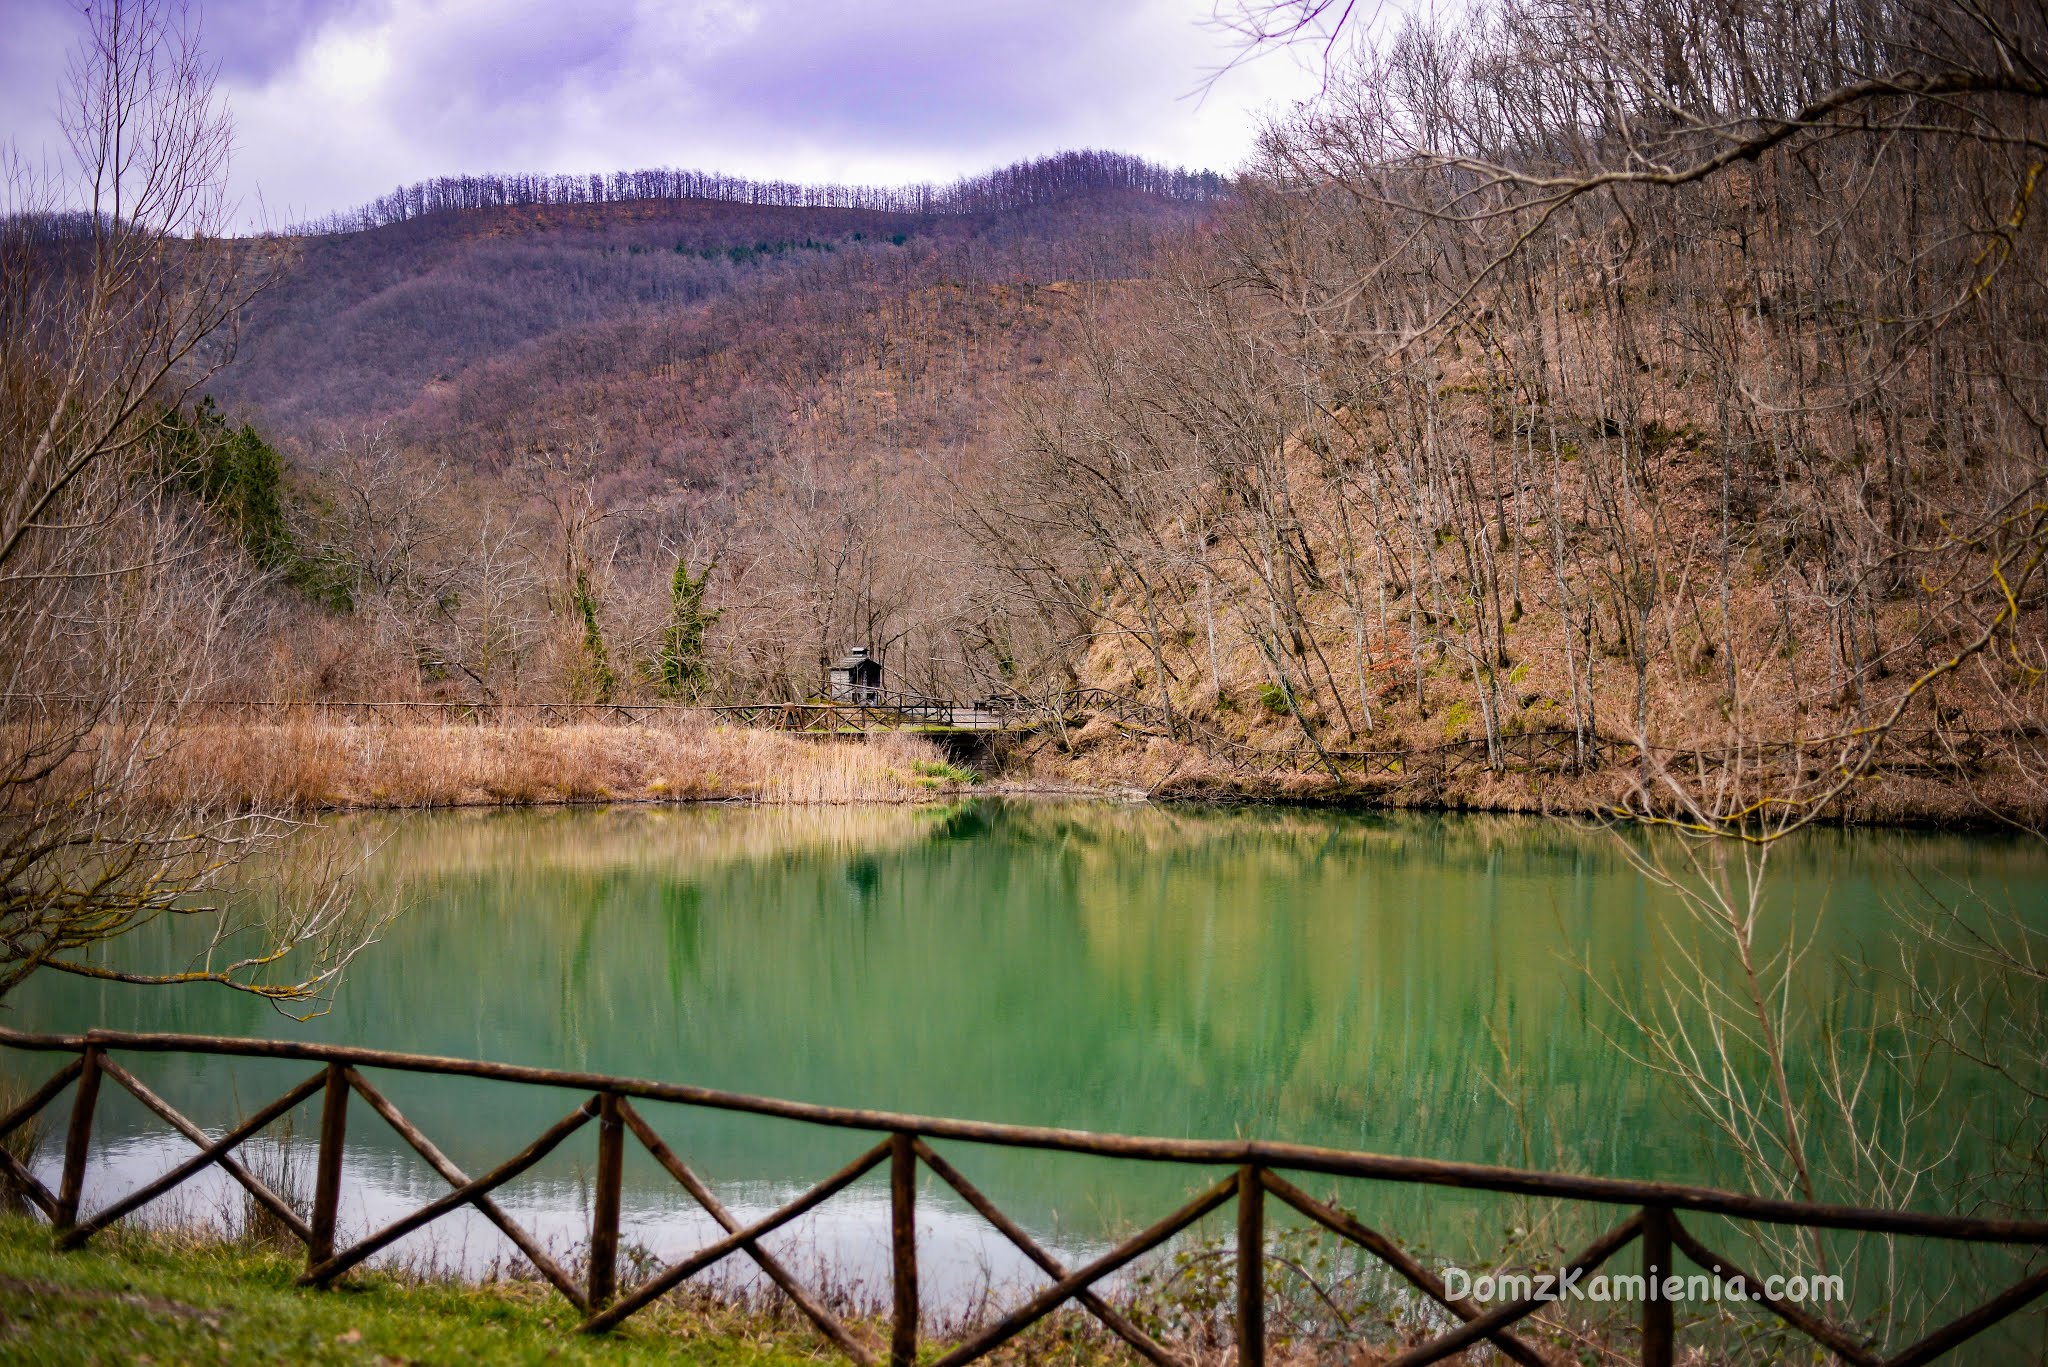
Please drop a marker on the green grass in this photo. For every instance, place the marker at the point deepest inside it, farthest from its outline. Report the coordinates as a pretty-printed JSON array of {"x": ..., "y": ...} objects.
[
  {"x": 937, "y": 772},
  {"x": 133, "y": 1297}
]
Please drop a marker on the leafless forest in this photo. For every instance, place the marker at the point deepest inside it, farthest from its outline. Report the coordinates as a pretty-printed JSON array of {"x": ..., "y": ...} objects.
[
  {"x": 509, "y": 428},
  {"x": 1656, "y": 370},
  {"x": 1646, "y": 371}
]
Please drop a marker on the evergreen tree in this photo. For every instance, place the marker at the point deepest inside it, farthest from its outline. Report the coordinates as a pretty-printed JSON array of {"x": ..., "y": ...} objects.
[
  {"x": 601, "y": 675},
  {"x": 680, "y": 669}
]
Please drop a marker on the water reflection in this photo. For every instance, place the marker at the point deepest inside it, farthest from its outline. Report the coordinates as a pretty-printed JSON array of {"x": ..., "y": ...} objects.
[{"x": 1395, "y": 983}]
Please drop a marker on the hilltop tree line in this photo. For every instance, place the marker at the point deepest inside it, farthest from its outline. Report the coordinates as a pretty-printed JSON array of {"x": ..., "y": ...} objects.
[{"x": 1023, "y": 185}]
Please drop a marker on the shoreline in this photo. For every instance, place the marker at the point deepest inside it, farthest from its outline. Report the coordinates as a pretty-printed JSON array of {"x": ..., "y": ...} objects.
[
  {"x": 988, "y": 789},
  {"x": 1995, "y": 801},
  {"x": 303, "y": 768}
]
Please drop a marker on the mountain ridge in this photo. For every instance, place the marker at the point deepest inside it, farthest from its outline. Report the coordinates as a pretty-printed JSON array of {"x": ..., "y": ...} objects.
[
  {"x": 368, "y": 327},
  {"x": 1032, "y": 182}
]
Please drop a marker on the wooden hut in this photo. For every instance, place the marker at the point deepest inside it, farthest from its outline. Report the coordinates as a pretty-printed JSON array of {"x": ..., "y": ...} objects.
[{"x": 855, "y": 678}]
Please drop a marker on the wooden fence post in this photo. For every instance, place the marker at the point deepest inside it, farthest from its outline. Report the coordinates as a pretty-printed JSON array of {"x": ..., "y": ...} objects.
[
  {"x": 604, "y": 1211},
  {"x": 78, "y": 1139},
  {"x": 1251, "y": 1267},
  {"x": 1659, "y": 1335},
  {"x": 327, "y": 1176},
  {"x": 903, "y": 1239}
]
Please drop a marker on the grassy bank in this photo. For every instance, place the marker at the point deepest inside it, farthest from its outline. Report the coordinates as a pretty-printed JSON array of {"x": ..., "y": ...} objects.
[
  {"x": 312, "y": 766},
  {"x": 155, "y": 1295},
  {"x": 136, "y": 1297}
]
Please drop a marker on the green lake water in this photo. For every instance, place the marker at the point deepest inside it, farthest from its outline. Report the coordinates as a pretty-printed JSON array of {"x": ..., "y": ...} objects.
[{"x": 1434, "y": 985}]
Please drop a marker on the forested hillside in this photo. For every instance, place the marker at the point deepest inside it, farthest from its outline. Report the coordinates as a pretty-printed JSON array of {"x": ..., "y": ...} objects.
[
  {"x": 1659, "y": 374},
  {"x": 1522, "y": 386},
  {"x": 512, "y": 405},
  {"x": 375, "y": 320}
]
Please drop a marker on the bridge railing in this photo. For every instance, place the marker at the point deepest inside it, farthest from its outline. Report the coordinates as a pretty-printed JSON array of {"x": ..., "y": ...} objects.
[
  {"x": 1253, "y": 1171},
  {"x": 874, "y": 710}
]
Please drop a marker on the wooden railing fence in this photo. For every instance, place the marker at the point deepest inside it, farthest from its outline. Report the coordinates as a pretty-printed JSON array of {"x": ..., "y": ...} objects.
[{"x": 1254, "y": 1172}]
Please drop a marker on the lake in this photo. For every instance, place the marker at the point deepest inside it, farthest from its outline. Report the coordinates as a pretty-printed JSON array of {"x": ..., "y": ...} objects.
[{"x": 1435, "y": 985}]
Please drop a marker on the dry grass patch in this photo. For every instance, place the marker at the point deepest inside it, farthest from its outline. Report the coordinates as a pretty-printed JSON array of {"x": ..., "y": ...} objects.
[{"x": 308, "y": 766}]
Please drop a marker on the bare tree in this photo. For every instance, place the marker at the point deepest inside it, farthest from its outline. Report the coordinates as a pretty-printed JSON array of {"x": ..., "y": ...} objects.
[
  {"x": 117, "y": 296},
  {"x": 1770, "y": 280}
]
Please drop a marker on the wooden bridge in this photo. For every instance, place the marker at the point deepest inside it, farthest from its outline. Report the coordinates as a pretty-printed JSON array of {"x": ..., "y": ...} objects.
[
  {"x": 883, "y": 712},
  {"x": 1252, "y": 1171},
  {"x": 880, "y": 713}
]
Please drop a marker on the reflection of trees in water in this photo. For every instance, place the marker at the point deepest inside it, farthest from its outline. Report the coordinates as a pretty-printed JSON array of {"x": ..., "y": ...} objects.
[
  {"x": 864, "y": 875},
  {"x": 1329, "y": 978},
  {"x": 641, "y": 839}
]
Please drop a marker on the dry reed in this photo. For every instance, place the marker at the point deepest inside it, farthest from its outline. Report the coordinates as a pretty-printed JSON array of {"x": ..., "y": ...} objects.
[
  {"x": 315, "y": 765},
  {"x": 19, "y": 1143}
]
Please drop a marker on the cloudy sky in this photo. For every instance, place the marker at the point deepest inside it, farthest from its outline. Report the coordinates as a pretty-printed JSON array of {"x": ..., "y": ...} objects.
[{"x": 336, "y": 101}]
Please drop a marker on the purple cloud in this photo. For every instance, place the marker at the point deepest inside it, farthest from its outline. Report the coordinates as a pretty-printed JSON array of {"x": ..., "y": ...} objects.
[{"x": 338, "y": 100}]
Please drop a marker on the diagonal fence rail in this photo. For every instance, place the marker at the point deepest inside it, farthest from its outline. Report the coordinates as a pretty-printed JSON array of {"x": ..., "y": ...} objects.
[{"x": 1254, "y": 1172}]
